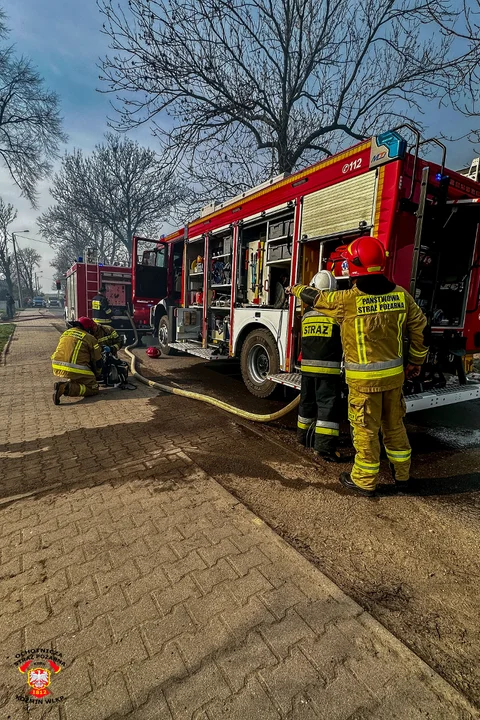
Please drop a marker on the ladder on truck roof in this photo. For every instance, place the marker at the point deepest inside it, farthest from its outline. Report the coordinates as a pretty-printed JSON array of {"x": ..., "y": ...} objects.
[{"x": 92, "y": 278}]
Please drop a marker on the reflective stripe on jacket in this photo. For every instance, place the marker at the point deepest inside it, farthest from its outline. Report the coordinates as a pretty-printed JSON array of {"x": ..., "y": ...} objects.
[
  {"x": 321, "y": 345},
  {"x": 77, "y": 352},
  {"x": 372, "y": 330}
]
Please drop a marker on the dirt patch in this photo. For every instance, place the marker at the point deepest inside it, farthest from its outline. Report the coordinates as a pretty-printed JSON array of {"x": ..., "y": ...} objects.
[{"x": 411, "y": 561}]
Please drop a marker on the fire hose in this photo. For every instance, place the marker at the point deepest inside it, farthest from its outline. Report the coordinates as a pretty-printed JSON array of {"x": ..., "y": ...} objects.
[{"x": 204, "y": 398}]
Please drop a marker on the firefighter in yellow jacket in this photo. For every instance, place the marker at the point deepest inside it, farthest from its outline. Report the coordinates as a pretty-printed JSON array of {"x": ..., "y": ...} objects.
[
  {"x": 77, "y": 361},
  {"x": 374, "y": 316},
  {"x": 106, "y": 335}
]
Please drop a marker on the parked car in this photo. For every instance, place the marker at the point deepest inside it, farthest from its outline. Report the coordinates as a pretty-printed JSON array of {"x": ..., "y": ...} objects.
[
  {"x": 39, "y": 302},
  {"x": 54, "y": 302}
]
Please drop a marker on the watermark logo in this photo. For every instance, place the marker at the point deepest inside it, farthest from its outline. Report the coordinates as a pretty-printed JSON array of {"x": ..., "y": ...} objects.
[{"x": 39, "y": 674}]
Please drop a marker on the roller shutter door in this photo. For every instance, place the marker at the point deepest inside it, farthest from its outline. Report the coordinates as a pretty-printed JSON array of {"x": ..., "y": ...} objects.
[{"x": 340, "y": 207}]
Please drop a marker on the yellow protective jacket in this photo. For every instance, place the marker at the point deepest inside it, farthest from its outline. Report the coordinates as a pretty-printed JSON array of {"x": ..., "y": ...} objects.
[
  {"x": 372, "y": 329},
  {"x": 107, "y": 335},
  {"x": 321, "y": 344},
  {"x": 77, "y": 353}
]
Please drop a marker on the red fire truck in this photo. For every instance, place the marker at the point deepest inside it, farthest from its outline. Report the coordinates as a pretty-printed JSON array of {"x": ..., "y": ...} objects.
[
  {"x": 237, "y": 254},
  {"x": 133, "y": 293}
]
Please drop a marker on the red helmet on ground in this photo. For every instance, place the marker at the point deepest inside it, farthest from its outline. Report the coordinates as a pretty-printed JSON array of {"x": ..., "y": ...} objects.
[
  {"x": 365, "y": 256},
  {"x": 153, "y": 352},
  {"x": 87, "y": 323}
]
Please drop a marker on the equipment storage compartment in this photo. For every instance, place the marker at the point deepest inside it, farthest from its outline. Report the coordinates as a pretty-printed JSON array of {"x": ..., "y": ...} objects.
[
  {"x": 220, "y": 287},
  {"x": 279, "y": 251},
  {"x": 445, "y": 263},
  {"x": 189, "y": 324},
  {"x": 195, "y": 273}
]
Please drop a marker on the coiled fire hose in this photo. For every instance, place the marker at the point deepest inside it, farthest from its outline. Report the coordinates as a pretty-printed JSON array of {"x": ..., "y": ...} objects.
[{"x": 204, "y": 398}]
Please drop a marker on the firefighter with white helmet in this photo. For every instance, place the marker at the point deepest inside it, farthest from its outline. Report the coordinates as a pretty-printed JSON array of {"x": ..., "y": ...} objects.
[
  {"x": 374, "y": 316},
  {"x": 320, "y": 369}
]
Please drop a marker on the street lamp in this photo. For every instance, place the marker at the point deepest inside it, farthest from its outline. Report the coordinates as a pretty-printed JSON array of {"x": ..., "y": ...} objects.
[{"x": 20, "y": 299}]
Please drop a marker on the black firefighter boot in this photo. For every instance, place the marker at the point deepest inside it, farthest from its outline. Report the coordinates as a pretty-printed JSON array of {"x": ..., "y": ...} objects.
[
  {"x": 401, "y": 486},
  {"x": 59, "y": 389},
  {"x": 348, "y": 483}
]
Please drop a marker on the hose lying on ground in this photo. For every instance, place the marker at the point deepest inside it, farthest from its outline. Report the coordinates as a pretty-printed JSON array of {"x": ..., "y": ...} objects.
[{"x": 205, "y": 398}]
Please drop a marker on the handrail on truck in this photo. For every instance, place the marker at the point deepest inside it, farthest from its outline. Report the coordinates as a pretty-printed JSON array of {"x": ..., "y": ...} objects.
[
  {"x": 415, "y": 157},
  {"x": 441, "y": 145}
]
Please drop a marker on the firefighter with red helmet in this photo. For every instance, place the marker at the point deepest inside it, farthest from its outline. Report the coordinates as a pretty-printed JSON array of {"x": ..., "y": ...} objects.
[
  {"x": 374, "y": 316},
  {"x": 77, "y": 360}
]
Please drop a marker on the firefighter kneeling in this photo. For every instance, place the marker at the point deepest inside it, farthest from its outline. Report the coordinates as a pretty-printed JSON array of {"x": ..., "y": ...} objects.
[
  {"x": 374, "y": 316},
  {"x": 78, "y": 361},
  {"x": 320, "y": 368}
]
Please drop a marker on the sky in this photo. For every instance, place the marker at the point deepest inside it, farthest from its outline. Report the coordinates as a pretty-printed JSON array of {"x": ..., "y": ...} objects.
[{"x": 64, "y": 40}]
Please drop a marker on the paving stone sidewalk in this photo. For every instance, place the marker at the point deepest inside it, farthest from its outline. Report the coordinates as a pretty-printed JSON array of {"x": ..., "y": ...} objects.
[{"x": 167, "y": 598}]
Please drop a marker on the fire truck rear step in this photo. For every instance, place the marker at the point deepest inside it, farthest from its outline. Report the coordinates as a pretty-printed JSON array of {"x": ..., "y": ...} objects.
[
  {"x": 453, "y": 393},
  {"x": 195, "y": 349},
  {"x": 293, "y": 380}
]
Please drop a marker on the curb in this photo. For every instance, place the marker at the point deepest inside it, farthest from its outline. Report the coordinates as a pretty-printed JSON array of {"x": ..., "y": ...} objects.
[{"x": 7, "y": 346}]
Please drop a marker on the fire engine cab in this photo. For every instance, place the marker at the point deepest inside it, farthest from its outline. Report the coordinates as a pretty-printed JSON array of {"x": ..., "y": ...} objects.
[{"x": 238, "y": 256}]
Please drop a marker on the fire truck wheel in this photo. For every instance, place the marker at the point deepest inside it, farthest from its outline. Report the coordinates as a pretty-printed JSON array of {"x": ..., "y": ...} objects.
[
  {"x": 259, "y": 358},
  {"x": 163, "y": 330}
]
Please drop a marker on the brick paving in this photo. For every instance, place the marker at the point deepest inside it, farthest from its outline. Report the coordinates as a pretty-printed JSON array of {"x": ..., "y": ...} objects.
[{"x": 167, "y": 598}]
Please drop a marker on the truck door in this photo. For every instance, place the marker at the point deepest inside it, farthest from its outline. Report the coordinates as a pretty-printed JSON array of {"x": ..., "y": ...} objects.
[{"x": 149, "y": 270}]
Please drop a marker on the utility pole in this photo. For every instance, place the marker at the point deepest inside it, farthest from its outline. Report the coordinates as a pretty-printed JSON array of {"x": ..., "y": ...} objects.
[{"x": 19, "y": 282}]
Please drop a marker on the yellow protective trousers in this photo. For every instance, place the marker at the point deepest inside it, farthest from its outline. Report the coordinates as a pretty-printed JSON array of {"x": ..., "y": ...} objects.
[
  {"x": 78, "y": 385},
  {"x": 369, "y": 413}
]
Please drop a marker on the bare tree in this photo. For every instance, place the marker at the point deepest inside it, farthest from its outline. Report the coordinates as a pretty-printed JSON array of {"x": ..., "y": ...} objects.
[
  {"x": 120, "y": 189},
  {"x": 293, "y": 79},
  {"x": 64, "y": 228},
  {"x": 8, "y": 215},
  {"x": 28, "y": 260},
  {"x": 30, "y": 123},
  {"x": 463, "y": 28}
]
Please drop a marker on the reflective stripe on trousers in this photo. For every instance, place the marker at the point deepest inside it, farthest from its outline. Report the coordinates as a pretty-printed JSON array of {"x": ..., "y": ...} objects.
[
  {"x": 324, "y": 427},
  {"x": 304, "y": 423}
]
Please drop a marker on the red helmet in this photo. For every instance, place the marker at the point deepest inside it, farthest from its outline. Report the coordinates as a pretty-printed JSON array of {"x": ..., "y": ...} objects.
[
  {"x": 365, "y": 256},
  {"x": 87, "y": 323},
  {"x": 153, "y": 352}
]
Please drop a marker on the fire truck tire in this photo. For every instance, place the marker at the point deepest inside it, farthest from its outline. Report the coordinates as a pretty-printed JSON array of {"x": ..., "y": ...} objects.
[
  {"x": 163, "y": 330},
  {"x": 259, "y": 357}
]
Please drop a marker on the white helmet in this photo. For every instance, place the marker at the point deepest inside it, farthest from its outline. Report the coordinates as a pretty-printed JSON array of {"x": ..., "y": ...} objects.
[{"x": 324, "y": 280}]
